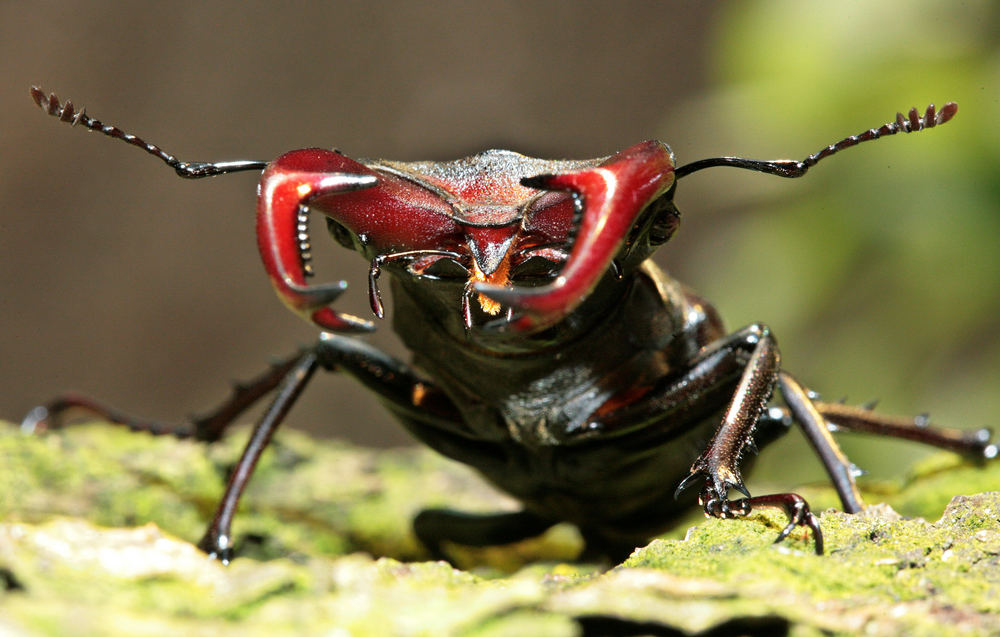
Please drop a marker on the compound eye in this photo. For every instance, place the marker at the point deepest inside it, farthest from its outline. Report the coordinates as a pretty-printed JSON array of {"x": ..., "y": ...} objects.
[
  {"x": 340, "y": 233},
  {"x": 443, "y": 268}
]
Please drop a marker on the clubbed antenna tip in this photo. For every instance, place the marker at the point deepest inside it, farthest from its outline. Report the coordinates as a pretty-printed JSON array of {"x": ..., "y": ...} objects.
[
  {"x": 910, "y": 123},
  {"x": 930, "y": 119},
  {"x": 66, "y": 112},
  {"x": 50, "y": 104}
]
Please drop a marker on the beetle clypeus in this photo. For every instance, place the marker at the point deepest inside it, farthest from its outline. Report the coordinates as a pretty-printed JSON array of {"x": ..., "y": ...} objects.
[{"x": 548, "y": 351}]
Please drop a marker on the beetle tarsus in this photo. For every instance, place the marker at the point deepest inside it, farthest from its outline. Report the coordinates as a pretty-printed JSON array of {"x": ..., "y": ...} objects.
[
  {"x": 216, "y": 546},
  {"x": 799, "y": 514},
  {"x": 57, "y": 414},
  {"x": 794, "y": 505}
]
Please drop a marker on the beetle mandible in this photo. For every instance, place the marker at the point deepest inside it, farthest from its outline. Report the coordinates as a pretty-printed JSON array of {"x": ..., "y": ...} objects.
[{"x": 549, "y": 353}]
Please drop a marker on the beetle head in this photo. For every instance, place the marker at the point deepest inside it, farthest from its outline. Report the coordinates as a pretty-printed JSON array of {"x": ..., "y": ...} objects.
[
  {"x": 490, "y": 216},
  {"x": 515, "y": 242}
]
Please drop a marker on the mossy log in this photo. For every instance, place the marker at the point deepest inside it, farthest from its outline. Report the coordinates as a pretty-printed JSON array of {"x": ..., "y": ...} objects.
[{"x": 97, "y": 525}]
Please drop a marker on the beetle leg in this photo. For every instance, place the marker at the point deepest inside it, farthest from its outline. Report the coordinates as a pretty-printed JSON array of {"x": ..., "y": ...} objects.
[
  {"x": 217, "y": 541},
  {"x": 643, "y": 172},
  {"x": 405, "y": 393},
  {"x": 426, "y": 412},
  {"x": 719, "y": 463},
  {"x": 973, "y": 443},
  {"x": 208, "y": 427},
  {"x": 669, "y": 422},
  {"x": 840, "y": 469},
  {"x": 798, "y": 514},
  {"x": 429, "y": 414},
  {"x": 423, "y": 408}
]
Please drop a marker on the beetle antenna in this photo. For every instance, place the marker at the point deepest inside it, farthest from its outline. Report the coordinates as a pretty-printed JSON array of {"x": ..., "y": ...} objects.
[
  {"x": 67, "y": 112},
  {"x": 911, "y": 123}
]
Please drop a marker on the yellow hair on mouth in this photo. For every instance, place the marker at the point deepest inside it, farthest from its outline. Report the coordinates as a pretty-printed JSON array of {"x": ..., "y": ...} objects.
[{"x": 497, "y": 277}]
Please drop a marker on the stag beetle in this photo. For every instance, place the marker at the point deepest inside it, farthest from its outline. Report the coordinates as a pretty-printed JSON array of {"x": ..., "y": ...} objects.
[{"x": 549, "y": 353}]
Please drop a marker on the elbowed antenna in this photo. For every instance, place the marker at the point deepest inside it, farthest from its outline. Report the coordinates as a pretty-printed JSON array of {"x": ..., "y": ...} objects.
[
  {"x": 66, "y": 112},
  {"x": 912, "y": 123}
]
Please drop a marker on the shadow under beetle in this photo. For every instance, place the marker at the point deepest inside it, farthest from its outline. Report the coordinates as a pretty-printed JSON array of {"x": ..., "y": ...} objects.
[{"x": 549, "y": 353}]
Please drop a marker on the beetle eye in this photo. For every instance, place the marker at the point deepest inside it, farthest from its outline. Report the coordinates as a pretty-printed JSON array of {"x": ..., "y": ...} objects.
[
  {"x": 443, "y": 269},
  {"x": 341, "y": 234},
  {"x": 535, "y": 270}
]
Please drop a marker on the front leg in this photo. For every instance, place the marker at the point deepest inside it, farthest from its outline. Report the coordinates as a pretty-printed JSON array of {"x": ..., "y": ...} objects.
[
  {"x": 397, "y": 385},
  {"x": 719, "y": 463},
  {"x": 409, "y": 396},
  {"x": 388, "y": 377},
  {"x": 401, "y": 389}
]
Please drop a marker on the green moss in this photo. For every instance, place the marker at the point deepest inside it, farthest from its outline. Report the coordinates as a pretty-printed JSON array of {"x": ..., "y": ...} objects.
[{"x": 76, "y": 563}]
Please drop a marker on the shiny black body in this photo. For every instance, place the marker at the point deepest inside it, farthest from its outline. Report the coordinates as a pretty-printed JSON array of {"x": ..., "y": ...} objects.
[{"x": 542, "y": 424}]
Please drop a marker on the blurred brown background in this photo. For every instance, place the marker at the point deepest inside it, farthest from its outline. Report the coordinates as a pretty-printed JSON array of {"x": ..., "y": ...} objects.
[{"x": 879, "y": 273}]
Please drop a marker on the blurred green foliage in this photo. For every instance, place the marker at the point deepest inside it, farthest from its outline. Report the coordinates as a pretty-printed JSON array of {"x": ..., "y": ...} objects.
[{"x": 879, "y": 271}]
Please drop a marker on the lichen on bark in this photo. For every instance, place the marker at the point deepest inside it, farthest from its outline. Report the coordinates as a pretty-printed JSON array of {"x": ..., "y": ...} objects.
[{"x": 96, "y": 525}]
